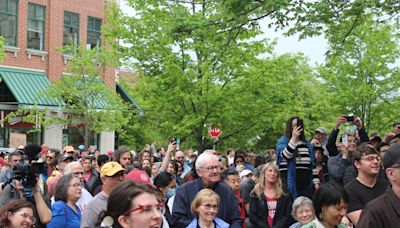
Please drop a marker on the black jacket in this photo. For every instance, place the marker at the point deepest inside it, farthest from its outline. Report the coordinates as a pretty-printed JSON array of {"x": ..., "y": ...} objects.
[{"x": 259, "y": 212}]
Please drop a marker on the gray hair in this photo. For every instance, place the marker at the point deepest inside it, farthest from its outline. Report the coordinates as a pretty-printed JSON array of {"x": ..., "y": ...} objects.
[
  {"x": 201, "y": 160},
  {"x": 68, "y": 168},
  {"x": 301, "y": 201},
  {"x": 61, "y": 191}
]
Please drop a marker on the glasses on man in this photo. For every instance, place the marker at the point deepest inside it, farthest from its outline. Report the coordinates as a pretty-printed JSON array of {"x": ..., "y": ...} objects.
[
  {"x": 211, "y": 168},
  {"x": 49, "y": 157},
  {"x": 372, "y": 158},
  {"x": 148, "y": 208},
  {"x": 209, "y": 206},
  {"x": 28, "y": 216}
]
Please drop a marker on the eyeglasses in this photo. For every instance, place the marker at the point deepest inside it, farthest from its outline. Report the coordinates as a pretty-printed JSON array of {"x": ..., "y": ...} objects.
[
  {"x": 372, "y": 158},
  {"x": 76, "y": 185},
  {"x": 209, "y": 206},
  {"x": 211, "y": 168},
  {"x": 395, "y": 166},
  {"x": 49, "y": 157},
  {"x": 28, "y": 216},
  {"x": 148, "y": 208}
]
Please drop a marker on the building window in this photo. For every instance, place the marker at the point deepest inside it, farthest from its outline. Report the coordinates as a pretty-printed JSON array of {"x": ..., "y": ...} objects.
[
  {"x": 36, "y": 19},
  {"x": 94, "y": 32},
  {"x": 8, "y": 21},
  {"x": 71, "y": 29}
]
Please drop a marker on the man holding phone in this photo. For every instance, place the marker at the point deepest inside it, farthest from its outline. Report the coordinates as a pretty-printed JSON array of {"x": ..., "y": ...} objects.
[{"x": 340, "y": 154}]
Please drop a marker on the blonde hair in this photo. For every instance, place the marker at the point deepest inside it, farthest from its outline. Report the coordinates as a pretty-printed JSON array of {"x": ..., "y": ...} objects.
[
  {"x": 202, "y": 195},
  {"x": 260, "y": 184}
]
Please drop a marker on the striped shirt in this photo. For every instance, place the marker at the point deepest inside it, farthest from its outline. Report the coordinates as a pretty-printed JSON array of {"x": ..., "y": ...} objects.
[{"x": 303, "y": 161}]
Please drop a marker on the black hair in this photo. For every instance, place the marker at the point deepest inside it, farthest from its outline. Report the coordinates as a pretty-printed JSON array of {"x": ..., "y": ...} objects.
[
  {"x": 228, "y": 172},
  {"x": 61, "y": 192},
  {"x": 289, "y": 128},
  {"x": 32, "y": 151},
  {"x": 163, "y": 179},
  {"x": 382, "y": 144},
  {"x": 328, "y": 194},
  {"x": 259, "y": 160},
  {"x": 175, "y": 165},
  {"x": 102, "y": 159},
  {"x": 237, "y": 157},
  {"x": 147, "y": 170},
  {"x": 395, "y": 124},
  {"x": 120, "y": 200}
]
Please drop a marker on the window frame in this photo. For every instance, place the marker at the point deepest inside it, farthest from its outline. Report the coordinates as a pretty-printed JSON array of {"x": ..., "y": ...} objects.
[
  {"x": 72, "y": 26},
  {"x": 8, "y": 14},
  {"x": 36, "y": 19},
  {"x": 95, "y": 19}
]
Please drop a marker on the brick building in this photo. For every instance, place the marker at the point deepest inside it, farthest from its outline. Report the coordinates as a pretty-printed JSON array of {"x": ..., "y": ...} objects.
[{"x": 32, "y": 30}]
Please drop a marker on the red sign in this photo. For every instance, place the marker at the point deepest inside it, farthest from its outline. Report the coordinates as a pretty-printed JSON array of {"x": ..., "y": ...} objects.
[{"x": 214, "y": 132}]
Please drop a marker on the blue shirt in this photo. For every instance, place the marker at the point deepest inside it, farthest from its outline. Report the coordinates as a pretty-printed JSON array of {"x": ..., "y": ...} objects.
[{"x": 64, "y": 216}]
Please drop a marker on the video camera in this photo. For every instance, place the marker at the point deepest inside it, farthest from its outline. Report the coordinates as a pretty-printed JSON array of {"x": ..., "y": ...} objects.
[{"x": 27, "y": 173}]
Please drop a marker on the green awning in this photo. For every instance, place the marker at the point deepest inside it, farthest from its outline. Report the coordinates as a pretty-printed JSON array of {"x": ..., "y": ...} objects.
[
  {"x": 126, "y": 97},
  {"x": 27, "y": 87}
]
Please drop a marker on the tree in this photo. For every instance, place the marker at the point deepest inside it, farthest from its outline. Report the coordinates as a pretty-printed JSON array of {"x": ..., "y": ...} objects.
[
  {"x": 199, "y": 70},
  {"x": 335, "y": 19},
  {"x": 362, "y": 75}
]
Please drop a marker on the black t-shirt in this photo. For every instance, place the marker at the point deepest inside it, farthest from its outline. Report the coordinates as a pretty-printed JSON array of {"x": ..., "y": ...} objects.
[{"x": 359, "y": 194}]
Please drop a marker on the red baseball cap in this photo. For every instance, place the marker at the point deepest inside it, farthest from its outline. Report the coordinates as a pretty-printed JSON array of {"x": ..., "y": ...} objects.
[{"x": 139, "y": 176}]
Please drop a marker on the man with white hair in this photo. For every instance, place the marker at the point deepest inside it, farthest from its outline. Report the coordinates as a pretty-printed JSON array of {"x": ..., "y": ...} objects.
[
  {"x": 208, "y": 169},
  {"x": 77, "y": 170}
]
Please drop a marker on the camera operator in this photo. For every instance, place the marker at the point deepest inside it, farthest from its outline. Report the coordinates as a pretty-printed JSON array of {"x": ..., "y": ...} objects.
[
  {"x": 23, "y": 185},
  {"x": 14, "y": 158}
]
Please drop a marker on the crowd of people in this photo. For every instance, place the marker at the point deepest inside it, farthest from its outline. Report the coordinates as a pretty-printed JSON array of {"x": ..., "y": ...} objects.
[{"x": 353, "y": 181}]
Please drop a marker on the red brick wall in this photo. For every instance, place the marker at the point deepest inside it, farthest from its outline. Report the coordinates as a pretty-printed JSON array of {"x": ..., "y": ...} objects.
[{"x": 53, "y": 63}]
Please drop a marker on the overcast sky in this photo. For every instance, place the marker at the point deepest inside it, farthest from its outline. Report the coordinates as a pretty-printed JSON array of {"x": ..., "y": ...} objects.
[{"x": 313, "y": 48}]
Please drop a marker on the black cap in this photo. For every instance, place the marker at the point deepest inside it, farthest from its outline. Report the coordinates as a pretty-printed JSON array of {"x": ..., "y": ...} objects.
[{"x": 392, "y": 156}]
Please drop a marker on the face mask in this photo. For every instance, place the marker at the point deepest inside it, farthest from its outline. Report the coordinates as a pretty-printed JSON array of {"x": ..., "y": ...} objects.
[{"x": 170, "y": 193}]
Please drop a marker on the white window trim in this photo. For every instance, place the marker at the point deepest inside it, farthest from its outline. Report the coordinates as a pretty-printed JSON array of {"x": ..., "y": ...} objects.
[
  {"x": 31, "y": 52},
  {"x": 12, "y": 49}
]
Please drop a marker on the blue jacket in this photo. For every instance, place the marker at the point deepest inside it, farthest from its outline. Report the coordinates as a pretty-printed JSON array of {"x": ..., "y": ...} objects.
[
  {"x": 291, "y": 174},
  {"x": 228, "y": 209},
  {"x": 219, "y": 223},
  {"x": 64, "y": 216}
]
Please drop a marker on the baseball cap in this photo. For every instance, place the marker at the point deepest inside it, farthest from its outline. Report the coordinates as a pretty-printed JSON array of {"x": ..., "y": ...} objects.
[
  {"x": 139, "y": 176},
  {"x": 65, "y": 157},
  {"x": 322, "y": 130},
  {"x": 110, "y": 169},
  {"x": 245, "y": 173},
  {"x": 391, "y": 138},
  {"x": 392, "y": 156},
  {"x": 68, "y": 149}
]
